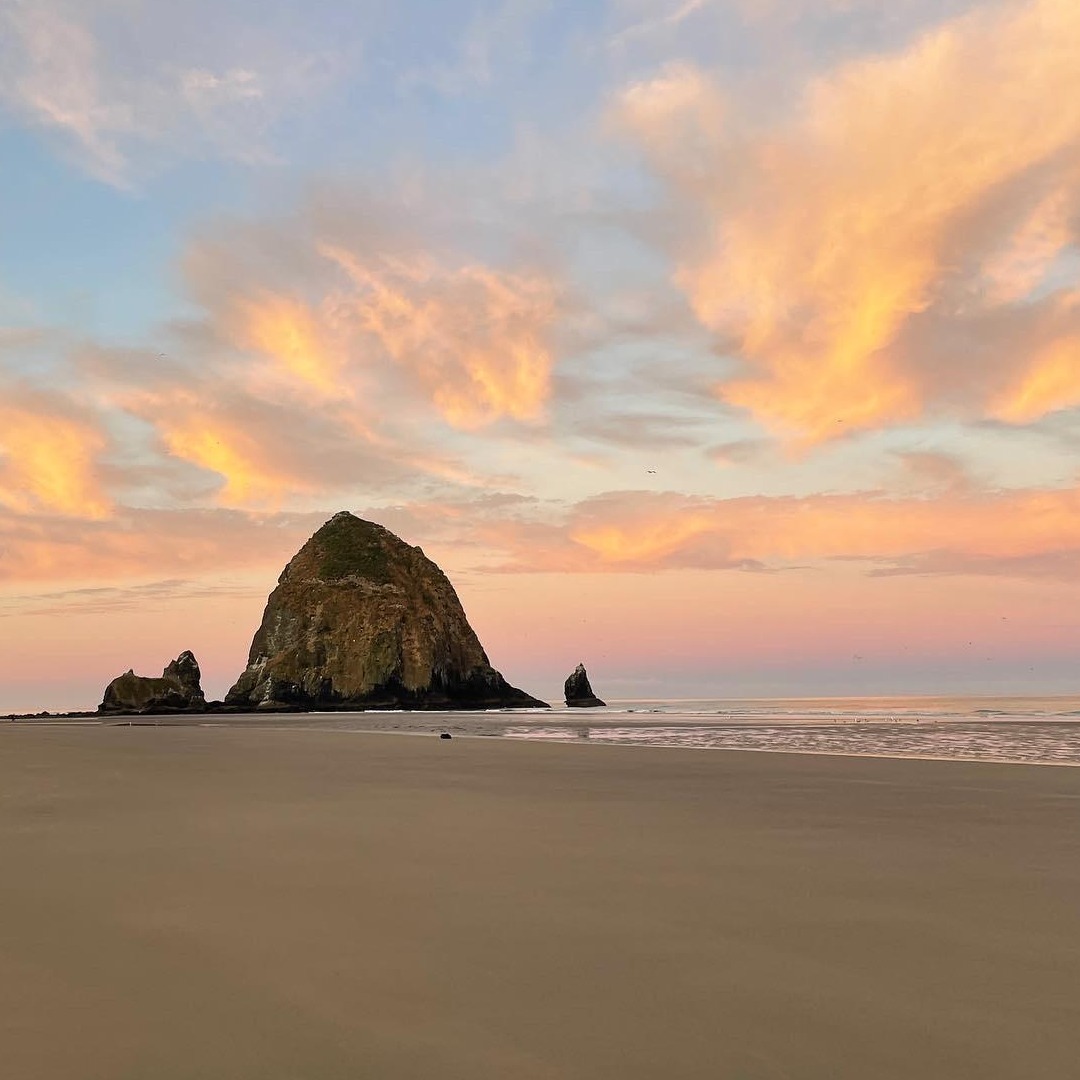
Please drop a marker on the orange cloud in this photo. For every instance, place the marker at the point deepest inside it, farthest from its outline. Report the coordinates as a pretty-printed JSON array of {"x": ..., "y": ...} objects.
[
  {"x": 231, "y": 453},
  {"x": 379, "y": 325},
  {"x": 958, "y": 528},
  {"x": 823, "y": 239},
  {"x": 49, "y": 460},
  {"x": 289, "y": 332},
  {"x": 1051, "y": 382},
  {"x": 268, "y": 445},
  {"x": 142, "y": 545},
  {"x": 475, "y": 339},
  {"x": 644, "y": 541},
  {"x": 269, "y": 452}
]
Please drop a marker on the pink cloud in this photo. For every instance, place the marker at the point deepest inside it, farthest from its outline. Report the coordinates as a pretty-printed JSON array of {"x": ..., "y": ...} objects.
[{"x": 972, "y": 530}]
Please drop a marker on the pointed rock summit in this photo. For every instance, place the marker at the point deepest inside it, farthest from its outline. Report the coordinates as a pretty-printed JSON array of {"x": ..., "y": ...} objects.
[
  {"x": 579, "y": 694},
  {"x": 360, "y": 619},
  {"x": 178, "y": 690}
]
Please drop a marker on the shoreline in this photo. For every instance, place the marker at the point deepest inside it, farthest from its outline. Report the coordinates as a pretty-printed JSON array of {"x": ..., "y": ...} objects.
[{"x": 594, "y": 730}]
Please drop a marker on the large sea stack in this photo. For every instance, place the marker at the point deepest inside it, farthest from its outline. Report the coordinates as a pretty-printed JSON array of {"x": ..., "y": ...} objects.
[
  {"x": 360, "y": 619},
  {"x": 178, "y": 690}
]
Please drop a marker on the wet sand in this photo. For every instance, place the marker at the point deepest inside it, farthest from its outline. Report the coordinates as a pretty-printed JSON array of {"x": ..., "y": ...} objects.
[{"x": 230, "y": 903}]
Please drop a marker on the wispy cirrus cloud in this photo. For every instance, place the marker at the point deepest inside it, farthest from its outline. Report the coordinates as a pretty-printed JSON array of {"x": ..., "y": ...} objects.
[
  {"x": 496, "y": 36},
  {"x": 934, "y": 183},
  {"x": 476, "y": 338},
  {"x": 258, "y": 442},
  {"x": 110, "y": 599},
  {"x": 348, "y": 297},
  {"x": 361, "y": 344},
  {"x": 652, "y": 18},
  {"x": 129, "y": 90}
]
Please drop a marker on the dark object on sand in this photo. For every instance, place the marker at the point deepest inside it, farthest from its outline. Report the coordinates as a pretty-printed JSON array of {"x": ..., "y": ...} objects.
[
  {"x": 446, "y": 735},
  {"x": 178, "y": 690},
  {"x": 360, "y": 620},
  {"x": 579, "y": 694}
]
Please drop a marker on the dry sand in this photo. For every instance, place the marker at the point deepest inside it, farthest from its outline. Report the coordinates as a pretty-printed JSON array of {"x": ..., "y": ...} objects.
[{"x": 192, "y": 903}]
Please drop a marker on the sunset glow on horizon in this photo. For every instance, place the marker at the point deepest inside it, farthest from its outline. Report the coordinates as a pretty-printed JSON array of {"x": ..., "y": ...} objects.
[{"x": 730, "y": 348}]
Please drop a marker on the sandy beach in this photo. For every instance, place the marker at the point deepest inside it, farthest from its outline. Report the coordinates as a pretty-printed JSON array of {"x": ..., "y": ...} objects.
[{"x": 229, "y": 903}]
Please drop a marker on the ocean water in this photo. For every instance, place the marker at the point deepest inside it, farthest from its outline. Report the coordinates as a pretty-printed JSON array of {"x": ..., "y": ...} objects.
[
  {"x": 1028, "y": 730},
  {"x": 1031, "y": 730}
]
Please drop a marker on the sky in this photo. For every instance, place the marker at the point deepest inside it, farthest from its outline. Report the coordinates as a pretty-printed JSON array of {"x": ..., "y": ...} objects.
[{"x": 731, "y": 347}]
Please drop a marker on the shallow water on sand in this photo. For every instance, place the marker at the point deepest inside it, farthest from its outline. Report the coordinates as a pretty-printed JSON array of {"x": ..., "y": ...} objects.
[
  {"x": 1040, "y": 744},
  {"x": 1035, "y": 730},
  {"x": 1030, "y": 730}
]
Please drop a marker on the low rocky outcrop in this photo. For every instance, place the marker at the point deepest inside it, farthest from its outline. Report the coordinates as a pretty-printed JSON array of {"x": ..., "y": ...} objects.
[
  {"x": 178, "y": 690},
  {"x": 360, "y": 619},
  {"x": 579, "y": 694}
]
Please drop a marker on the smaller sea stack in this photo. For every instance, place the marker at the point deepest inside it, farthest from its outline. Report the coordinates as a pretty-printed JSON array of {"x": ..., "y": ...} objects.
[
  {"x": 178, "y": 690},
  {"x": 579, "y": 694}
]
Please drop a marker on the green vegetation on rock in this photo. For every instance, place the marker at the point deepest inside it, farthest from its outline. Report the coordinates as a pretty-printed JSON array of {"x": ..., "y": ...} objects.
[{"x": 348, "y": 551}]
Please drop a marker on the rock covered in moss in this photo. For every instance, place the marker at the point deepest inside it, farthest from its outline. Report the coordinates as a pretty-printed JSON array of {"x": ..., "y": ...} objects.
[
  {"x": 178, "y": 690},
  {"x": 579, "y": 694},
  {"x": 360, "y": 619}
]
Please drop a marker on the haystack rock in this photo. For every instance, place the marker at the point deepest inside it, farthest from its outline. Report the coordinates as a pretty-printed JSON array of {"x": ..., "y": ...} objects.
[
  {"x": 360, "y": 619},
  {"x": 178, "y": 690},
  {"x": 579, "y": 694}
]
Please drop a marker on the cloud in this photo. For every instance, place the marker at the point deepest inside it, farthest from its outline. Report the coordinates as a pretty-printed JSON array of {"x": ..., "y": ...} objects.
[
  {"x": 268, "y": 449},
  {"x": 1051, "y": 381},
  {"x": 327, "y": 357},
  {"x": 159, "y": 554},
  {"x": 107, "y": 599},
  {"x": 936, "y": 470},
  {"x": 290, "y": 333},
  {"x": 950, "y": 526},
  {"x": 477, "y": 339},
  {"x": 642, "y": 430},
  {"x": 326, "y": 353},
  {"x": 1057, "y": 565},
  {"x": 497, "y": 35},
  {"x": 20, "y": 337},
  {"x": 936, "y": 183},
  {"x": 203, "y": 89},
  {"x": 652, "y": 22},
  {"x": 50, "y": 456},
  {"x": 1022, "y": 263},
  {"x": 128, "y": 93},
  {"x": 139, "y": 544},
  {"x": 884, "y": 10},
  {"x": 783, "y": 38},
  {"x": 1020, "y": 533},
  {"x": 52, "y": 75},
  {"x": 738, "y": 451},
  {"x": 369, "y": 315}
]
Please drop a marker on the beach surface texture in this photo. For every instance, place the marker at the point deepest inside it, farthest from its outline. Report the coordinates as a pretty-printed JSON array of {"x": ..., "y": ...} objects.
[{"x": 233, "y": 903}]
